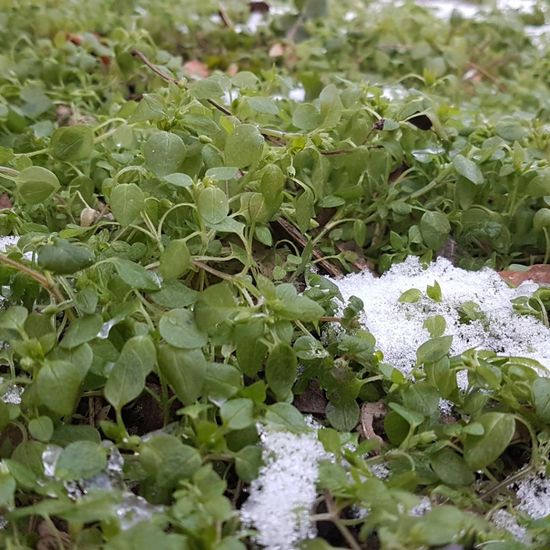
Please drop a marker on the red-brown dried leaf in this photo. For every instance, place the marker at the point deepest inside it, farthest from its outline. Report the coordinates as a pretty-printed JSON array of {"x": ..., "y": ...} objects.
[
  {"x": 538, "y": 273},
  {"x": 5, "y": 201}
]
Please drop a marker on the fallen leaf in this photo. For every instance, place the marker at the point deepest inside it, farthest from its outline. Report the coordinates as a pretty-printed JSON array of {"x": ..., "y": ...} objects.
[
  {"x": 538, "y": 273},
  {"x": 370, "y": 412},
  {"x": 5, "y": 201}
]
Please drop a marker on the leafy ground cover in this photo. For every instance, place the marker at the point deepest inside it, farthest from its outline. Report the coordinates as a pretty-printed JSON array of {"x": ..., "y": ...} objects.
[{"x": 183, "y": 188}]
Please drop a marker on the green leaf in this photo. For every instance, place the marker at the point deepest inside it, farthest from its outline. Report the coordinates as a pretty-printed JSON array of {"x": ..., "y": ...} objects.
[
  {"x": 127, "y": 201},
  {"x": 127, "y": 378},
  {"x": 281, "y": 370},
  {"x": 285, "y": 416},
  {"x": 215, "y": 305},
  {"x": 64, "y": 258},
  {"x": 36, "y": 185},
  {"x": 468, "y": 169},
  {"x": 434, "y": 349},
  {"x": 451, "y": 468},
  {"x": 480, "y": 451},
  {"x": 139, "y": 351},
  {"x": 251, "y": 351},
  {"x": 167, "y": 461},
  {"x": 58, "y": 385},
  {"x": 179, "y": 329},
  {"x": 164, "y": 152},
  {"x": 13, "y": 318},
  {"x": 435, "y": 325},
  {"x": 244, "y": 146},
  {"x": 435, "y": 229},
  {"x": 237, "y": 414},
  {"x": 306, "y": 117},
  {"x": 174, "y": 294},
  {"x": 248, "y": 462},
  {"x": 212, "y": 205},
  {"x": 184, "y": 370},
  {"x": 175, "y": 260},
  {"x": 343, "y": 415},
  {"x": 421, "y": 397},
  {"x": 135, "y": 275},
  {"x": 82, "y": 330},
  {"x": 410, "y": 296},
  {"x": 541, "y": 397},
  {"x": 7, "y": 490},
  {"x": 222, "y": 382},
  {"x": 150, "y": 108},
  {"x": 72, "y": 143},
  {"x": 80, "y": 460},
  {"x": 292, "y": 307},
  {"x": 222, "y": 173},
  {"x": 178, "y": 180}
]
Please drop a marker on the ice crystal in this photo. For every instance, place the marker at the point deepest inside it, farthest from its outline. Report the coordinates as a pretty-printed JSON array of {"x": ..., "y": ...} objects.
[
  {"x": 423, "y": 507},
  {"x": 12, "y": 393},
  {"x": 507, "y": 521},
  {"x": 381, "y": 470},
  {"x": 399, "y": 327},
  {"x": 281, "y": 498},
  {"x": 50, "y": 456},
  {"x": 6, "y": 242},
  {"x": 533, "y": 494}
]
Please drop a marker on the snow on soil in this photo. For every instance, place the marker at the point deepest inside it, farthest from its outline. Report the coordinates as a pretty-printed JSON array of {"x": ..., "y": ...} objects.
[
  {"x": 282, "y": 497},
  {"x": 399, "y": 327}
]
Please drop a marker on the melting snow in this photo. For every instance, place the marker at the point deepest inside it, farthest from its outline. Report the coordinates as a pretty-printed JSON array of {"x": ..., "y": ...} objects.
[
  {"x": 507, "y": 521},
  {"x": 533, "y": 494},
  {"x": 398, "y": 327},
  {"x": 282, "y": 497}
]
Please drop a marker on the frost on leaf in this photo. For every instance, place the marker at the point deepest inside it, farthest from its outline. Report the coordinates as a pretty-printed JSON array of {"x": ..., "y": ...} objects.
[
  {"x": 398, "y": 326},
  {"x": 282, "y": 497}
]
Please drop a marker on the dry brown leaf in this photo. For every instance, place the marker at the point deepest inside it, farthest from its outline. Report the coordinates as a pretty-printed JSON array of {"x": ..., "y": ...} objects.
[
  {"x": 538, "y": 273},
  {"x": 370, "y": 412},
  {"x": 5, "y": 201}
]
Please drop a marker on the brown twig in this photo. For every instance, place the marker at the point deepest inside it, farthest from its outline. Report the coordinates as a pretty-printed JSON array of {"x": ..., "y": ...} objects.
[
  {"x": 487, "y": 75},
  {"x": 295, "y": 234},
  {"x": 174, "y": 80},
  {"x": 224, "y": 16}
]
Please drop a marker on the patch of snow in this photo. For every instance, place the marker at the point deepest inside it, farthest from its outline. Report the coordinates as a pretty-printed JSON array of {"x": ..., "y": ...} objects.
[
  {"x": 423, "y": 507},
  {"x": 50, "y": 456},
  {"x": 507, "y": 521},
  {"x": 12, "y": 394},
  {"x": 533, "y": 494},
  {"x": 282, "y": 497},
  {"x": 7, "y": 241},
  {"x": 398, "y": 327},
  {"x": 380, "y": 470},
  {"x": 134, "y": 509},
  {"x": 297, "y": 94}
]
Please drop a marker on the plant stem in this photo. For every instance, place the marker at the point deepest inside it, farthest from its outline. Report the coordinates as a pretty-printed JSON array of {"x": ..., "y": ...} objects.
[{"x": 42, "y": 280}]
